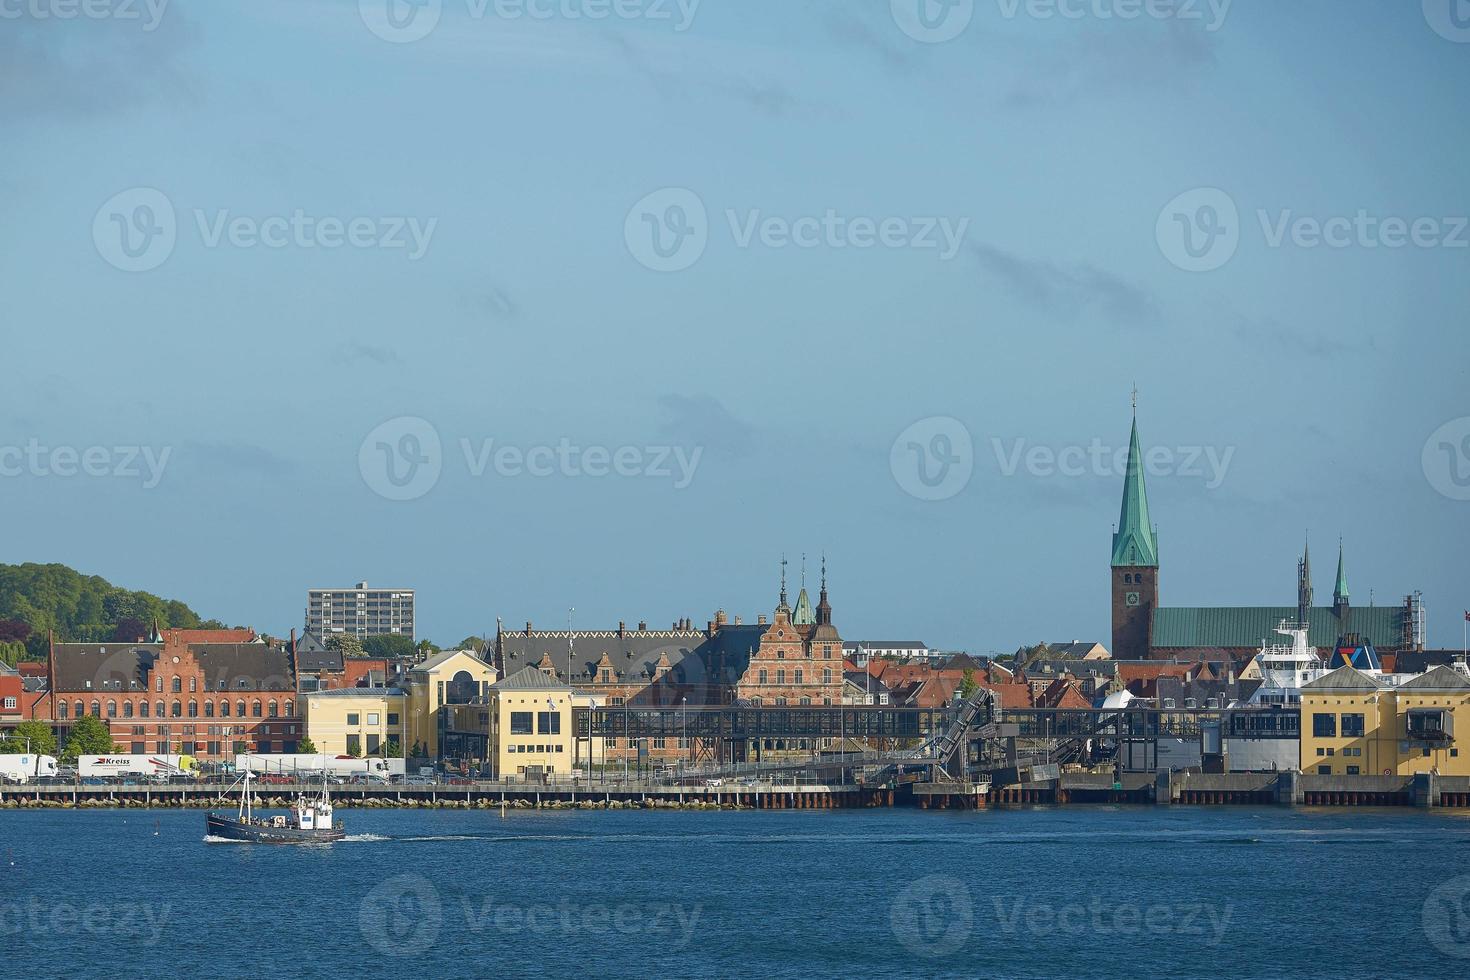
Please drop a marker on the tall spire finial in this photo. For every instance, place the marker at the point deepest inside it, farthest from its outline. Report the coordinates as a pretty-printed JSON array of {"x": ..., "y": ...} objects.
[
  {"x": 1135, "y": 399},
  {"x": 824, "y": 571},
  {"x": 783, "y": 580},
  {"x": 803, "y": 570}
]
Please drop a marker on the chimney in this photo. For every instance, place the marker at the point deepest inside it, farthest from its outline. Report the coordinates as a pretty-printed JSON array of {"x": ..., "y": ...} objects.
[
  {"x": 621, "y": 628},
  {"x": 709, "y": 628},
  {"x": 738, "y": 621},
  {"x": 642, "y": 626},
  {"x": 528, "y": 627},
  {"x": 760, "y": 620},
  {"x": 293, "y": 639}
]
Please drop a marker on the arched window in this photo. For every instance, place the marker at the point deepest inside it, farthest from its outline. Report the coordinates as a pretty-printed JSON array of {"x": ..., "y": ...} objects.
[
  {"x": 271, "y": 709},
  {"x": 224, "y": 707},
  {"x": 61, "y": 710},
  {"x": 112, "y": 709},
  {"x": 290, "y": 709},
  {"x": 209, "y": 709},
  {"x": 178, "y": 709},
  {"x": 127, "y": 709},
  {"x": 240, "y": 708},
  {"x": 255, "y": 709},
  {"x": 81, "y": 709},
  {"x": 162, "y": 709},
  {"x": 176, "y": 685},
  {"x": 142, "y": 709},
  {"x": 96, "y": 710},
  {"x": 193, "y": 684},
  {"x": 193, "y": 708}
]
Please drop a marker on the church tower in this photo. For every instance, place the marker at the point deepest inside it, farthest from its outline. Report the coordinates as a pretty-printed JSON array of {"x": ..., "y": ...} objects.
[
  {"x": 1135, "y": 563},
  {"x": 1340, "y": 605}
]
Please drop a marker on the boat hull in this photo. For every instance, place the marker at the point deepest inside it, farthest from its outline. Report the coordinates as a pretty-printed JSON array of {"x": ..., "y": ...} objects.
[{"x": 236, "y": 830}]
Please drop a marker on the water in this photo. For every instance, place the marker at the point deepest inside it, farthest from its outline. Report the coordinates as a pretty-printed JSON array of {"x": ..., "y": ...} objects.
[{"x": 1083, "y": 891}]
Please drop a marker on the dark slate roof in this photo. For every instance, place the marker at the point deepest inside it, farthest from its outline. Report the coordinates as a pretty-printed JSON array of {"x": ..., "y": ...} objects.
[
  {"x": 1418, "y": 661},
  {"x": 1247, "y": 626},
  {"x": 358, "y": 692},
  {"x": 701, "y": 667},
  {"x": 1438, "y": 679},
  {"x": 129, "y": 666},
  {"x": 313, "y": 658},
  {"x": 1344, "y": 679}
]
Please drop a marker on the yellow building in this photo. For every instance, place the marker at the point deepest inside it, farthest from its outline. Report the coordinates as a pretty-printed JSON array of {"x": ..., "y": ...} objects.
[
  {"x": 530, "y": 724},
  {"x": 1366, "y": 724},
  {"x": 454, "y": 677},
  {"x": 356, "y": 720}
]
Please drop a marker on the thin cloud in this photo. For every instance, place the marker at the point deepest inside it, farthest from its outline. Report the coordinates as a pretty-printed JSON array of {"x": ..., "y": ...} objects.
[{"x": 1068, "y": 291}]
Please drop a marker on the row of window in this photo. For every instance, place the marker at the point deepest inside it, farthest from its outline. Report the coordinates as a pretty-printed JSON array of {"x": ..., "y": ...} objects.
[
  {"x": 1325, "y": 725},
  {"x": 175, "y": 709},
  {"x": 797, "y": 676},
  {"x": 541, "y": 749},
  {"x": 372, "y": 718},
  {"x": 547, "y": 723},
  {"x": 176, "y": 685}
]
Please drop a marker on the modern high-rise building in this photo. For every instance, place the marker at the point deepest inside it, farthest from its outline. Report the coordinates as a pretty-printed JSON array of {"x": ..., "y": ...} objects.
[{"x": 360, "y": 610}]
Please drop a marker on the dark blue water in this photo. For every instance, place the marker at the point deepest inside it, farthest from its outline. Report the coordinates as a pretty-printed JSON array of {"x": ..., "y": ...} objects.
[{"x": 1037, "y": 893}]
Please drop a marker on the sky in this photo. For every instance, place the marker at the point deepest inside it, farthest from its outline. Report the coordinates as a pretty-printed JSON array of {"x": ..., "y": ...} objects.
[{"x": 591, "y": 310}]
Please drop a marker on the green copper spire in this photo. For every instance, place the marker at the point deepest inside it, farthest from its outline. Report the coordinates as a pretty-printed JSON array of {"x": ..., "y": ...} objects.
[
  {"x": 1134, "y": 542},
  {"x": 1340, "y": 590}
]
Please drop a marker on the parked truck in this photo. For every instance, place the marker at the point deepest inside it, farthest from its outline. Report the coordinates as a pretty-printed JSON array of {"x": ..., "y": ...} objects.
[
  {"x": 137, "y": 764},
  {"x": 24, "y": 768},
  {"x": 313, "y": 765}
]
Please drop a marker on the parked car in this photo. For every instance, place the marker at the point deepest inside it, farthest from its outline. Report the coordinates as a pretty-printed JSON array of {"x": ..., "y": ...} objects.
[{"x": 714, "y": 782}]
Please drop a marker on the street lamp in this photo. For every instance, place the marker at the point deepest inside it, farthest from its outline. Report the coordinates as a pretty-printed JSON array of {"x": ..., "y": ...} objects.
[{"x": 683, "y": 725}]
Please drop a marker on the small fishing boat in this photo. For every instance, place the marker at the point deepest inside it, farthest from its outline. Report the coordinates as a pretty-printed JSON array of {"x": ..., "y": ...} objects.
[{"x": 310, "y": 820}]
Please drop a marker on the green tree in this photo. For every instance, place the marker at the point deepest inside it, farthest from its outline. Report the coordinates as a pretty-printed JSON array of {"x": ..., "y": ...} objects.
[
  {"x": 394, "y": 646},
  {"x": 392, "y": 750},
  {"x": 306, "y": 746},
  {"x": 968, "y": 684},
  {"x": 89, "y": 736},
  {"x": 42, "y": 739},
  {"x": 354, "y": 750},
  {"x": 346, "y": 644},
  {"x": 475, "y": 643},
  {"x": 426, "y": 649}
]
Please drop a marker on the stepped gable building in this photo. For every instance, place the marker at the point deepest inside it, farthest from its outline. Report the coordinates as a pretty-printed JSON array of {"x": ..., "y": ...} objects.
[
  {"x": 1145, "y": 629},
  {"x": 776, "y": 662},
  {"x": 208, "y": 693}
]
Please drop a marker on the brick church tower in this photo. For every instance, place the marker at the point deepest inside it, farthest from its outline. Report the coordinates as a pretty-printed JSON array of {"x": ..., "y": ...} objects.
[{"x": 1135, "y": 564}]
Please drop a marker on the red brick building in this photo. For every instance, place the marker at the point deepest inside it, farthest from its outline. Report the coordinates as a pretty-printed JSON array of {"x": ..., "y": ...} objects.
[{"x": 207, "y": 693}]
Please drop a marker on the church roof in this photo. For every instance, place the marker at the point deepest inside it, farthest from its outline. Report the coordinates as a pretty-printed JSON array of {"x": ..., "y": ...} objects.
[
  {"x": 1340, "y": 590},
  {"x": 1134, "y": 542},
  {"x": 1247, "y": 626},
  {"x": 803, "y": 615}
]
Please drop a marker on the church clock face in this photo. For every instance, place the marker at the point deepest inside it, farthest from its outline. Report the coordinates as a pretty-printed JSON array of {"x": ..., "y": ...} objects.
[{"x": 1131, "y": 599}]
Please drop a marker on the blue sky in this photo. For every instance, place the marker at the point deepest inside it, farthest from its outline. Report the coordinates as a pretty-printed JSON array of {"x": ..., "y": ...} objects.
[{"x": 1324, "y": 382}]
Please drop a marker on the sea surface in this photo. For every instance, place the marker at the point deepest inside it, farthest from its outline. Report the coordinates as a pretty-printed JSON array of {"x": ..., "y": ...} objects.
[{"x": 1044, "y": 892}]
